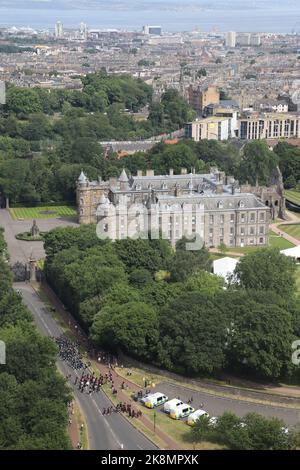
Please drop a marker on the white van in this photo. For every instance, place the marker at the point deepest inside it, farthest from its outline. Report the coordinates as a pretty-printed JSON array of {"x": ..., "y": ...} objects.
[
  {"x": 172, "y": 405},
  {"x": 195, "y": 416},
  {"x": 153, "y": 400},
  {"x": 182, "y": 411}
]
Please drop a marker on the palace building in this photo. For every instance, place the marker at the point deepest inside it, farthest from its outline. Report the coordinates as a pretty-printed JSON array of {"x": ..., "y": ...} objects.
[{"x": 212, "y": 205}]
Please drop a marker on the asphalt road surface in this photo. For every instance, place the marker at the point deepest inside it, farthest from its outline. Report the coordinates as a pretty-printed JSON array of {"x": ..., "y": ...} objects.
[
  {"x": 105, "y": 433},
  {"x": 216, "y": 405},
  {"x": 22, "y": 250}
]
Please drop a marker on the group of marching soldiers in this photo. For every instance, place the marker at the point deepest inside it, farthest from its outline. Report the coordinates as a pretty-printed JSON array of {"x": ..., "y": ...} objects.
[
  {"x": 89, "y": 383},
  {"x": 122, "y": 408}
]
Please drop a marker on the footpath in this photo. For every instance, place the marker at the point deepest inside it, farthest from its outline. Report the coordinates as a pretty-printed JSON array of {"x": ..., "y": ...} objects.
[{"x": 292, "y": 219}]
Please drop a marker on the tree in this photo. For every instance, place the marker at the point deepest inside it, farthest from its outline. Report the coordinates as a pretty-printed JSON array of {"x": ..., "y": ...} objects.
[
  {"x": 223, "y": 155},
  {"x": 187, "y": 262},
  {"x": 23, "y": 100},
  {"x": 140, "y": 254},
  {"x": 260, "y": 338},
  {"x": 140, "y": 277},
  {"x": 252, "y": 432},
  {"x": 34, "y": 397},
  {"x": 289, "y": 163},
  {"x": 258, "y": 163},
  {"x": 231, "y": 431},
  {"x": 267, "y": 269},
  {"x": 204, "y": 283},
  {"x": 112, "y": 328},
  {"x": 178, "y": 156},
  {"x": 290, "y": 182},
  {"x": 189, "y": 327},
  {"x": 266, "y": 433}
]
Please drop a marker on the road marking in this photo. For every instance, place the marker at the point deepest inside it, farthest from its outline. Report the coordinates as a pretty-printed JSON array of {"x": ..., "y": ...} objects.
[
  {"x": 109, "y": 427},
  {"x": 39, "y": 315}
]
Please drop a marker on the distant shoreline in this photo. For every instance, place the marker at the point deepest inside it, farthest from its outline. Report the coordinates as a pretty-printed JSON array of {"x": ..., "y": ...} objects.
[{"x": 279, "y": 20}]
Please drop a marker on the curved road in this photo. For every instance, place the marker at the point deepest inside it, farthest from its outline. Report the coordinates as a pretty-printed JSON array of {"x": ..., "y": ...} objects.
[{"x": 105, "y": 433}]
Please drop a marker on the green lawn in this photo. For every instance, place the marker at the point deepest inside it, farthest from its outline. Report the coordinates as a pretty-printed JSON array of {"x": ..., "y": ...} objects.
[
  {"x": 293, "y": 195},
  {"x": 292, "y": 229},
  {"x": 42, "y": 212},
  {"x": 275, "y": 241}
]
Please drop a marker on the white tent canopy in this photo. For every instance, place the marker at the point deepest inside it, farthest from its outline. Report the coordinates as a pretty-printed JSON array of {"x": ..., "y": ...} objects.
[
  {"x": 293, "y": 253},
  {"x": 224, "y": 267}
]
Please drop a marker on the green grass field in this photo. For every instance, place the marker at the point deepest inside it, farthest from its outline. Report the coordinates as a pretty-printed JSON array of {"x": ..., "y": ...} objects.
[
  {"x": 50, "y": 212},
  {"x": 293, "y": 195},
  {"x": 275, "y": 241},
  {"x": 293, "y": 230}
]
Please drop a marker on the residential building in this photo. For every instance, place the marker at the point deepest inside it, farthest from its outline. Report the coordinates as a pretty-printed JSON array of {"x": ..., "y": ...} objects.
[
  {"x": 155, "y": 30},
  {"x": 59, "y": 30},
  {"x": 269, "y": 126},
  {"x": 200, "y": 97},
  {"x": 221, "y": 126},
  {"x": 255, "y": 40},
  {"x": 272, "y": 106},
  {"x": 230, "y": 39},
  {"x": 243, "y": 39}
]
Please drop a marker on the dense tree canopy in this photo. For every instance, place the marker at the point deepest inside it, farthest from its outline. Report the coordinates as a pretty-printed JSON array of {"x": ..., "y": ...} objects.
[
  {"x": 62, "y": 129},
  {"x": 33, "y": 405},
  {"x": 193, "y": 335},
  {"x": 289, "y": 158},
  {"x": 258, "y": 163},
  {"x": 165, "y": 306},
  {"x": 252, "y": 432},
  {"x": 267, "y": 269}
]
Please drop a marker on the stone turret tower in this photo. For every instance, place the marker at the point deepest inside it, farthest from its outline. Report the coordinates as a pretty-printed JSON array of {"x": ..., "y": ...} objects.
[
  {"x": 83, "y": 199},
  {"x": 88, "y": 194},
  {"x": 124, "y": 181},
  {"x": 106, "y": 219}
]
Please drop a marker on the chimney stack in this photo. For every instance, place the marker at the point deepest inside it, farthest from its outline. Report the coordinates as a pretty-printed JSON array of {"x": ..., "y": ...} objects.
[{"x": 219, "y": 188}]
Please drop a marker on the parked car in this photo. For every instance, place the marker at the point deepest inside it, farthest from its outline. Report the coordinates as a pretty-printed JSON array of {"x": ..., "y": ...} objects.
[
  {"x": 181, "y": 411},
  {"x": 172, "y": 404},
  {"x": 154, "y": 400},
  {"x": 193, "y": 418}
]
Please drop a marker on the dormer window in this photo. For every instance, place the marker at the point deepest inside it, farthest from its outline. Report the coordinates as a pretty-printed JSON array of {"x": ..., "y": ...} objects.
[
  {"x": 220, "y": 205},
  {"x": 241, "y": 204}
]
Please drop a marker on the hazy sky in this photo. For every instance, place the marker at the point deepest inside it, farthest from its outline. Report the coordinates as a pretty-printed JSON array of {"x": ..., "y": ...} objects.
[
  {"x": 173, "y": 15},
  {"x": 129, "y": 4}
]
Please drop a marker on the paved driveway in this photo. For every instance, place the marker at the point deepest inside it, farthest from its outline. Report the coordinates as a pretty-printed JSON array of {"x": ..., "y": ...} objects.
[
  {"x": 21, "y": 250},
  {"x": 217, "y": 405}
]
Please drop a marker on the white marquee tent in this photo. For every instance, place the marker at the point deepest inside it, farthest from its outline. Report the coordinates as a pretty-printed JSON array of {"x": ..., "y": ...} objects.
[
  {"x": 293, "y": 253},
  {"x": 224, "y": 267}
]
